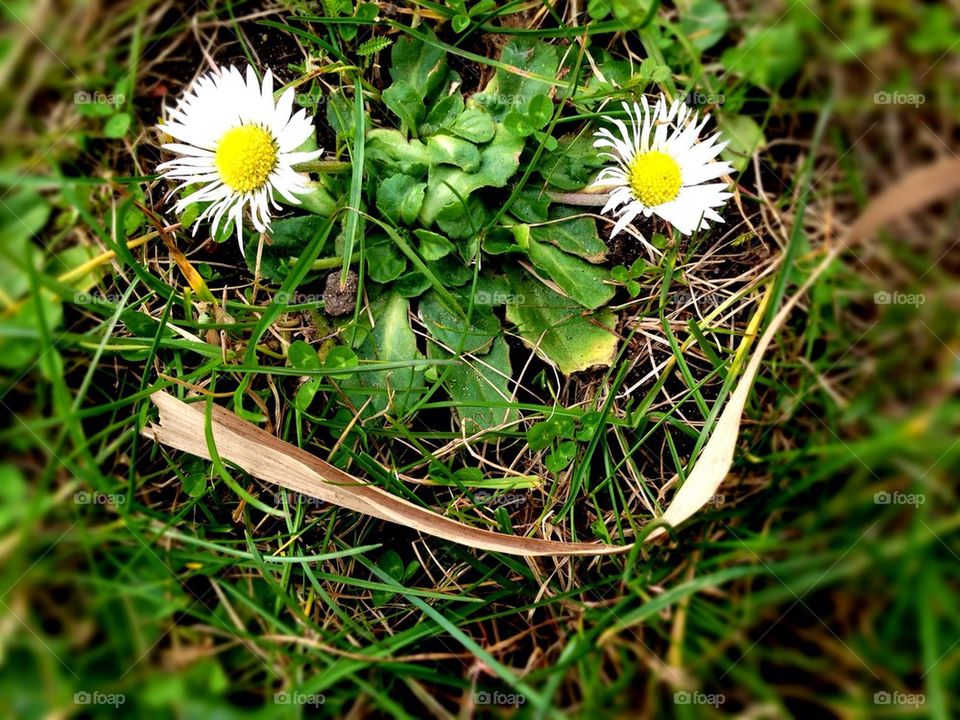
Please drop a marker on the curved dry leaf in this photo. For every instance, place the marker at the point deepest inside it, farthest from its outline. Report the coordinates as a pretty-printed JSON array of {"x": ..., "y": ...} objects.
[{"x": 268, "y": 458}]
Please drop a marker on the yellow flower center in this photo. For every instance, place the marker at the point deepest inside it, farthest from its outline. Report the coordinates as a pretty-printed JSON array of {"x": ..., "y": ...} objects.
[
  {"x": 245, "y": 157},
  {"x": 654, "y": 178}
]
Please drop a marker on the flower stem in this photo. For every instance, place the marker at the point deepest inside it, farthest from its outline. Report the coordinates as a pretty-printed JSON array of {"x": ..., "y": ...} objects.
[
  {"x": 582, "y": 199},
  {"x": 323, "y": 166},
  {"x": 326, "y": 263}
]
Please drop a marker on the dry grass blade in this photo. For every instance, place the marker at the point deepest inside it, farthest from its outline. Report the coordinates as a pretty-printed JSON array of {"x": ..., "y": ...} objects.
[{"x": 268, "y": 458}]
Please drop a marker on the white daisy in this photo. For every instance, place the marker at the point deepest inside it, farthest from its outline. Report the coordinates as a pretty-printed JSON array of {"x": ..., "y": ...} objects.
[
  {"x": 662, "y": 168},
  {"x": 238, "y": 146}
]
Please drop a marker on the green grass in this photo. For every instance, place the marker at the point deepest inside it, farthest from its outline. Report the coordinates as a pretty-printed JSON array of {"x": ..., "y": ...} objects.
[{"x": 137, "y": 575}]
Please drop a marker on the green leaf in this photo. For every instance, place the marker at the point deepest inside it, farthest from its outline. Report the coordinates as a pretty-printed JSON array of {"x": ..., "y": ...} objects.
[
  {"x": 316, "y": 200},
  {"x": 189, "y": 215},
  {"x": 460, "y": 23},
  {"x": 22, "y": 215},
  {"x": 453, "y": 331},
  {"x": 518, "y": 124},
  {"x": 391, "y": 340},
  {"x": 661, "y": 74},
  {"x": 452, "y": 270},
  {"x": 117, "y": 125},
  {"x": 400, "y": 197},
  {"x": 531, "y": 205},
  {"x": 373, "y": 46},
  {"x": 573, "y": 165},
  {"x": 475, "y": 125},
  {"x": 704, "y": 22},
  {"x": 139, "y": 324},
  {"x": 392, "y": 564},
  {"x": 577, "y": 235},
  {"x": 446, "y": 185},
  {"x": 631, "y": 13},
  {"x": 132, "y": 222},
  {"x": 446, "y": 150},
  {"x": 935, "y": 33},
  {"x": 423, "y": 65},
  {"x": 483, "y": 7},
  {"x": 412, "y": 284},
  {"x": 509, "y": 89},
  {"x": 578, "y": 279},
  {"x": 477, "y": 385},
  {"x": 540, "y": 111},
  {"x": 364, "y": 11},
  {"x": 540, "y": 436},
  {"x": 17, "y": 352},
  {"x": 767, "y": 56},
  {"x": 598, "y": 9},
  {"x": 547, "y": 141},
  {"x": 444, "y": 112},
  {"x": 340, "y": 115},
  {"x": 558, "y": 329},
  {"x": 385, "y": 262},
  {"x": 461, "y": 222},
  {"x": 302, "y": 356},
  {"x": 432, "y": 245},
  {"x": 745, "y": 138},
  {"x": 340, "y": 357},
  {"x": 396, "y": 154},
  {"x": 14, "y": 498},
  {"x": 561, "y": 457},
  {"x": 404, "y": 101},
  {"x": 288, "y": 239},
  {"x": 195, "y": 483}
]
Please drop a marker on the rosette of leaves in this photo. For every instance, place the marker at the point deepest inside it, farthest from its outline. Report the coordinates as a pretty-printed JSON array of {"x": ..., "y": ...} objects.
[{"x": 442, "y": 248}]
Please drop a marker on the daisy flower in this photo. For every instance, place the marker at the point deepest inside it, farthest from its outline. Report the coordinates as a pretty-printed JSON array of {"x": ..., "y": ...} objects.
[
  {"x": 238, "y": 147},
  {"x": 661, "y": 167}
]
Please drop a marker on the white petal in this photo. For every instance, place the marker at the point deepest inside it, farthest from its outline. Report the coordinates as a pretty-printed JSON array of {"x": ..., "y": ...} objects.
[
  {"x": 617, "y": 198},
  {"x": 703, "y": 173},
  {"x": 627, "y": 216},
  {"x": 686, "y": 211},
  {"x": 281, "y": 115},
  {"x": 295, "y": 158}
]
